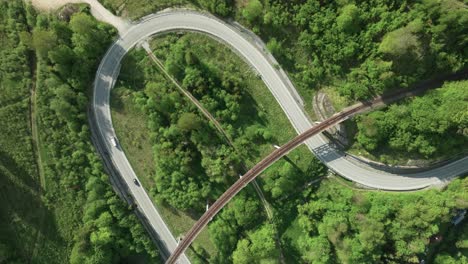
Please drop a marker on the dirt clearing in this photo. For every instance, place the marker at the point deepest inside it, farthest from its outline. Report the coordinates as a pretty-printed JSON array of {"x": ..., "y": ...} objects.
[{"x": 98, "y": 11}]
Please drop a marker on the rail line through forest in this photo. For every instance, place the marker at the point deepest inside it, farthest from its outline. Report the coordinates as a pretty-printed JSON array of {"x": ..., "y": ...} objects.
[
  {"x": 295, "y": 142},
  {"x": 259, "y": 168}
]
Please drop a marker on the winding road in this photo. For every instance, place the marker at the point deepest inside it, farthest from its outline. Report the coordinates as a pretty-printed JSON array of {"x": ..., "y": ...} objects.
[{"x": 177, "y": 20}]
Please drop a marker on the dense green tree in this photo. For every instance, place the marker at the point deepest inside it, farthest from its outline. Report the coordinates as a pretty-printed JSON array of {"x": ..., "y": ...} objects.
[
  {"x": 447, "y": 259},
  {"x": 188, "y": 122},
  {"x": 43, "y": 41},
  {"x": 229, "y": 226},
  {"x": 282, "y": 181},
  {"x": 246, "y": 211},
  {"x": 274, "y": 47},
  {"x": 224, "y": 236},
  {"x": 317, "y": 249},
  {"x": 253, "y": 10},
  {"x": 259, "y": 247},
  {"x": 88, "y": 39},
  {"x": 348, "y": 20},
  {"x": 219, "y": 7},
  {"x": 341, "y": 225},
  {"x": 277, "y": 15},
  {"x": 194, "y": 81},
  {"x": 242, "y": 255},
  {"x": 422, "y": 125},
  {"x": 330, "y": 40},
  {"x": 63, "y": 58},
  {"x": 402, "y": 41}
]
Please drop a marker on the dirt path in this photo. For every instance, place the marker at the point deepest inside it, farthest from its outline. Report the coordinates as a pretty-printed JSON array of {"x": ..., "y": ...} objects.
[
  {"x": 33, "y": 124},
  {"x": 37, "y": 153},
  {"x": 97, "y": 10},
  {"x": 39, "y": 235}
]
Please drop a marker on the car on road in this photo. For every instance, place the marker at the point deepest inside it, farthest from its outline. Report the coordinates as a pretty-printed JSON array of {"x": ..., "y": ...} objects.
[
  {"x": 113, "y": 141},
  {"x": 135, "y": 181}
]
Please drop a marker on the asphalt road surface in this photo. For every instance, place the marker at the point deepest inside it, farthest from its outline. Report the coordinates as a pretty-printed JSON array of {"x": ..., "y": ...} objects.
[{"x": 290, "y": 103}]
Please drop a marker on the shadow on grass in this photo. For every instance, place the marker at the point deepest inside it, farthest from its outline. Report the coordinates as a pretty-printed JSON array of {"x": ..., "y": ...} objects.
[
  {"x": 18, "y": 171},
  {"x": 26, "y": 222},
  {"x": 292, "y": 255},
  {"x": 249, "y": 114},
  {"x": 116, "y": 101},
  {"x": 288, "y": 160},
  {"x": 132, "y": 73}
]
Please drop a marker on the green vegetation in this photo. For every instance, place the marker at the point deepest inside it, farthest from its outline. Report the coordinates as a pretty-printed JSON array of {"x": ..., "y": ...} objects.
[
  {"x": 372, "y": 46},
  {"x": 432, "y": 125},
  {"x": 193, "y": 163},
  {"x": 356, "y": 50},
  {"x": 175, "y": 130},
  {"x": 253, "y": 12},
  {"x": 189, "y": 137},
  {"x": 454, "y": 248},
  {"x": 363, "y": 50},
  {"x": 77, "y": 218},
  {"x": 130, "y": 124},
  {"x": 28, "y": 232},
  {"x": 339, "y": 225},
  {"x": 138, "y": 9},
  {"x": 105, "y": 231}
]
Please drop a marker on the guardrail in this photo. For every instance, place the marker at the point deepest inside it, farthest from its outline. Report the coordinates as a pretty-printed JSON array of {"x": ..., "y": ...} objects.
[{"x": 401, "y": 168}]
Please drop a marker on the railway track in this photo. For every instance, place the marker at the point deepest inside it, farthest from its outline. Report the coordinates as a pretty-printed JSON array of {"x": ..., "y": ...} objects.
[
  {"x": 260, "y": 167},
  {"x": 295, "y": 142}
]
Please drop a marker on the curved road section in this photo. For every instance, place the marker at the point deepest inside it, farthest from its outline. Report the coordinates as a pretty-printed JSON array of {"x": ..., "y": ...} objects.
[{"x": 192, "y": 21}]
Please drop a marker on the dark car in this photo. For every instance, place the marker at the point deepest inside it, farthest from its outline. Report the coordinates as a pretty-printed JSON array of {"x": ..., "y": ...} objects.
[{"x": 136, "y": 182}]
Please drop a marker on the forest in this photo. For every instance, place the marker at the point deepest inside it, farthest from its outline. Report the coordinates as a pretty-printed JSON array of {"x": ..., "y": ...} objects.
[
  {"x": 358, "y": 48},
  {"x": 78, "y": 216},
  {"x": 420, "y": 125},
  {"x": 336, "y": 224},
  {"x": 363, "y": 49}
]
